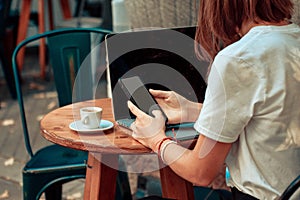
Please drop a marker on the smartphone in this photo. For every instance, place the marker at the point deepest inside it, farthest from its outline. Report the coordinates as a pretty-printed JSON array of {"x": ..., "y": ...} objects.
[{"x": 139, "y": 95}]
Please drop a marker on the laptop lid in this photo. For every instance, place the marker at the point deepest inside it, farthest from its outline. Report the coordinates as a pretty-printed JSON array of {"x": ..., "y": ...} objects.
[{"x": 163, "y": 58}]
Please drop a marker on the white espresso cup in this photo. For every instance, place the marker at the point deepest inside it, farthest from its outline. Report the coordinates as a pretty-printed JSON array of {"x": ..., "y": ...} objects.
[{"x": 91, "y": 117}]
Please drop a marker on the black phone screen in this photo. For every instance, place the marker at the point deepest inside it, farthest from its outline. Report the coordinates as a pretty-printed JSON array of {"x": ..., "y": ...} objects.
[{"x": 136, "y": 91}]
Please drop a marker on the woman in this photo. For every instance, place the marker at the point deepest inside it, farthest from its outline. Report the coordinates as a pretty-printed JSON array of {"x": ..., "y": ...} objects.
[{"x": 250, "y": 118}]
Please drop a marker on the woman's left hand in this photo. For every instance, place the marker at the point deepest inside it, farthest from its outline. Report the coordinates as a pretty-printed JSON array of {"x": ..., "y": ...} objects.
[{"x": 147, "y": 130}]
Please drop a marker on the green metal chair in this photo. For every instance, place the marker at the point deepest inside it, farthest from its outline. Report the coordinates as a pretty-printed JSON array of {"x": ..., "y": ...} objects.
[{"x": 52, "y": 166}]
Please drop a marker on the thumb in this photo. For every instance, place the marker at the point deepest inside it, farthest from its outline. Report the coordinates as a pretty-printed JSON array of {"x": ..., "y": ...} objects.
[
  {"x": 157, "y": 114},
  {"x": 135, "y": 110}
]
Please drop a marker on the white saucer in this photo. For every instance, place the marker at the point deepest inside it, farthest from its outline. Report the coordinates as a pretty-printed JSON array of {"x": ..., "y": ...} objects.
[{"x": 78, "y": 126}]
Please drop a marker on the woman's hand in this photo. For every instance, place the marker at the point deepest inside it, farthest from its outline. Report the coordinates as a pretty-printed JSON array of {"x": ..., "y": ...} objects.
[
  {"x": 147, "y": 130},
  {"x": 177, "y": 108}
]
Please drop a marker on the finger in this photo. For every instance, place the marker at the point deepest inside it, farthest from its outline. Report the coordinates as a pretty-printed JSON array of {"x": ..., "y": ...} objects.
[
  {"x": 157, "y": 114},
  {"x": 159, "y": 93},
  {"x": 135, "y": 134},
  {"x": 134, "y": 131},
  {"x": 135, "y": 110},
  {"x": 132, "y": 126}
]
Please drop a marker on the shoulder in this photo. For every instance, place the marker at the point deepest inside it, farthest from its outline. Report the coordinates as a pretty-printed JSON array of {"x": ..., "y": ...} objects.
[
  {"x": 262, "y": 40},
  {"x": 259, "y": 49}
]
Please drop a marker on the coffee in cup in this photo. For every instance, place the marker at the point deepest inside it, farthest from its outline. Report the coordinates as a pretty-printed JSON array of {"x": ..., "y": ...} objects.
[{"x": 91, "y": 117}]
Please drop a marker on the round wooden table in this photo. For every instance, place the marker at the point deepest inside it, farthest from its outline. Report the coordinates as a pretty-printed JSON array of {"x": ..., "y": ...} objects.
[{"x": 104, "y": 147}]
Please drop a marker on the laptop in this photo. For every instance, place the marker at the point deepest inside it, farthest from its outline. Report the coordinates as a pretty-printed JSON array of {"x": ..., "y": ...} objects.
[{"x": 163, "y": 59}]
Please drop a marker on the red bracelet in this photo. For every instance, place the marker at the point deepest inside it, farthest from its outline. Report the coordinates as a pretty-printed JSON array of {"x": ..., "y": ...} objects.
[{"x": 161, "y": 142}]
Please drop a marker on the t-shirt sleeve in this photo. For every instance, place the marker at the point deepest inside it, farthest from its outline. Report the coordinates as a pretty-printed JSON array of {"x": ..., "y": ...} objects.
[{"x": 233, "y": 91}]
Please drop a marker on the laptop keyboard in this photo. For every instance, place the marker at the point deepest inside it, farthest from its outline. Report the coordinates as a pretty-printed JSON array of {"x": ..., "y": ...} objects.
[{"x": 182, "y": 131}]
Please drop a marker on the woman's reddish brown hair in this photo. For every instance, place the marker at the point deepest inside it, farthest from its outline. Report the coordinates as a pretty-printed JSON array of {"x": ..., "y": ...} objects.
[{"x": 218, "y": 21}]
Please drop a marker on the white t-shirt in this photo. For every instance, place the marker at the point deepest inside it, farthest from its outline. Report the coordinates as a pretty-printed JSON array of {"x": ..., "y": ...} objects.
[{"x": 253, "y": 101}]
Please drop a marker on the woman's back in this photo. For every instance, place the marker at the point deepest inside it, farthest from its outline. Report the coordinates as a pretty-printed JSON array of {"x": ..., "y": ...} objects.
[{"x": 264, "y": 69}]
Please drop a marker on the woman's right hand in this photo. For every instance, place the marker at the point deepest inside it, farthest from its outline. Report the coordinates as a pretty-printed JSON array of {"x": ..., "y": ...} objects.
[{"x": 177, "y": 108}]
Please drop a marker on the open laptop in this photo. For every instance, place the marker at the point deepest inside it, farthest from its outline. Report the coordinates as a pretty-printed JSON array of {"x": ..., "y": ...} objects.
[{"x": 164, "y": 59}]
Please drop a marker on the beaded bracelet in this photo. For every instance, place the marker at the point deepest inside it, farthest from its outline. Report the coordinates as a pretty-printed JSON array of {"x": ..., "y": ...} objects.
[{"x": 163, "y": 149}]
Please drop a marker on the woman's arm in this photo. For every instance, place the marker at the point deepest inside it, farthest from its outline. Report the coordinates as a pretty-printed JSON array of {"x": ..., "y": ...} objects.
[
  {"x": 199, "y": 166},
  {"x": 177, "y": 108}
]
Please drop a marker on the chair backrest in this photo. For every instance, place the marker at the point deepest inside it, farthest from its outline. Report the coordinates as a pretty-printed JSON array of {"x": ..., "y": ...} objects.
[{"x": 68, "y": 49}]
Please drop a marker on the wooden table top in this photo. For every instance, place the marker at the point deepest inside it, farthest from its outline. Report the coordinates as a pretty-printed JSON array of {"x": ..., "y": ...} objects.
[{"x": 55, "y": 128}]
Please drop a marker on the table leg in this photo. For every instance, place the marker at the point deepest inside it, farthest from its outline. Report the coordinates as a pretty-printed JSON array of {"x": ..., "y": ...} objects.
[
  {"x": 22, "y": 33},
  {"x": 50, "y": 12},
  {"x": 175, "y": 187},
  {"x": 42, "y": 48},
  {"x": 65, "y": 7},
  {"x": 22, "y": 29},
  {"x": 101, "y": 179}
]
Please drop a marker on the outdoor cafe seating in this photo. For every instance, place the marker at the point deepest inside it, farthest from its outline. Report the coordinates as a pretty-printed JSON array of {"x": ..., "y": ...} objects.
[{"x": 52, "y": 166}]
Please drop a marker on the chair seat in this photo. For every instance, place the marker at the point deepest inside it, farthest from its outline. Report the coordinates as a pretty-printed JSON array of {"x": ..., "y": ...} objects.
[
  {"x": 49, "y": 168},
  {"x": 55, "y": 158}
]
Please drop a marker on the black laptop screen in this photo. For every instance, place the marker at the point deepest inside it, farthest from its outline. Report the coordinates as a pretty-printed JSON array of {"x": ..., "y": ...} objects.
[{"x": 163, "y": 59}]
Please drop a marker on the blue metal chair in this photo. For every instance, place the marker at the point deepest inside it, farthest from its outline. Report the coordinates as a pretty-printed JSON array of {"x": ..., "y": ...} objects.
[{"x": 52, "y": 166}]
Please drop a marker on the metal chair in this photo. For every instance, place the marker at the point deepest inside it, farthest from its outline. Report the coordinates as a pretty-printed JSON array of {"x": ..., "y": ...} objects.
[{"x": 52, "y": 166}]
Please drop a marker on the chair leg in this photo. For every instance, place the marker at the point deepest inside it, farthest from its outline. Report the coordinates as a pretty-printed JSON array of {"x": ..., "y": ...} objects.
[
  {"x": 22, "y": 30},
  {"x": 65, "y": 7},
  {"x": 42, "y": 48},
  {"x": 54, "y": 192},
  {"x": 33, "y": 187},
  {"x": 8, "y": 73},
  {"x": 123, "y": 188}
]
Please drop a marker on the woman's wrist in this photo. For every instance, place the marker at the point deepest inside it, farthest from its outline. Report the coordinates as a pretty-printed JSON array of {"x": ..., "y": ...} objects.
[
  {"x": 162, "y": 150},
  {"x": 162, "y": 145},
  {"x": 192, "y": 111},
  {"x": 159, "y": 144},
  {"x": 156, "y": 140}
]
